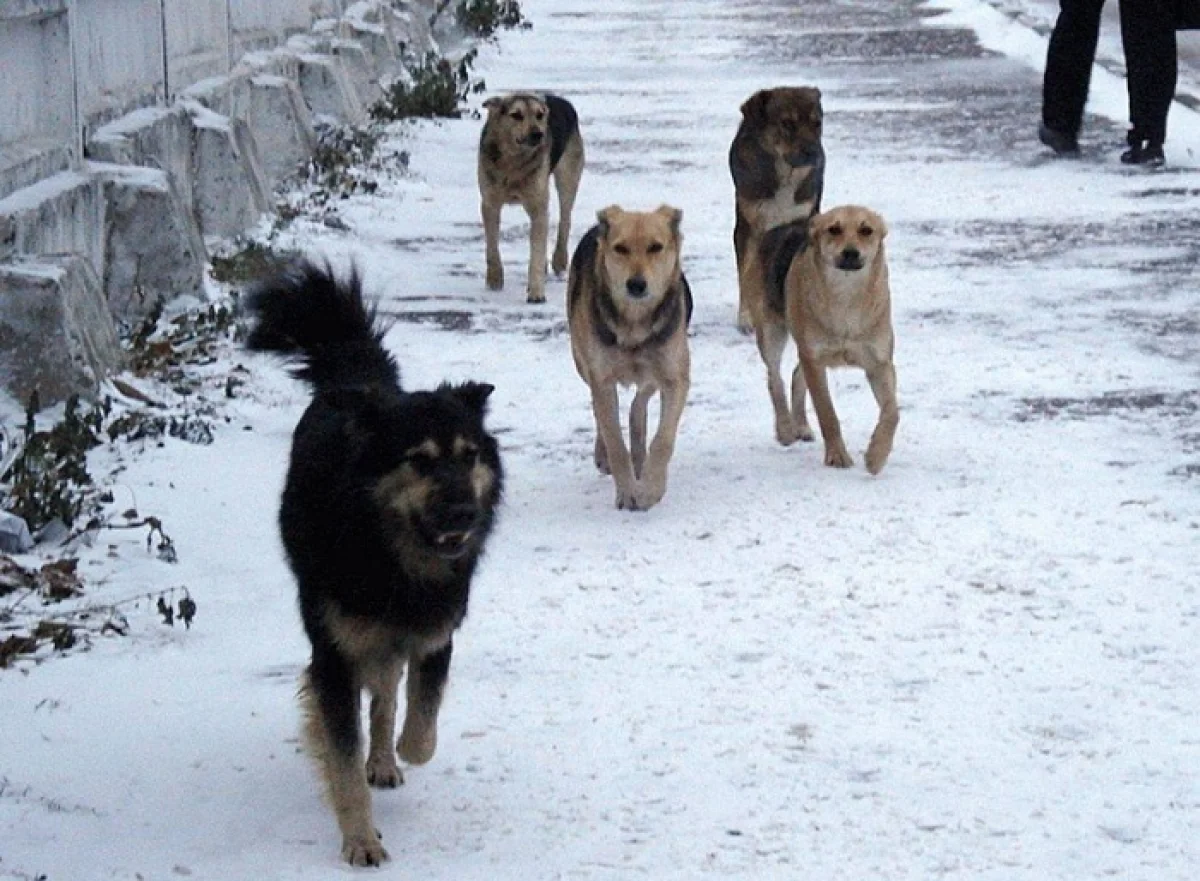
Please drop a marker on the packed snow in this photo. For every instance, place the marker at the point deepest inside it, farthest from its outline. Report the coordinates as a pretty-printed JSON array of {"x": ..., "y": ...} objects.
[{"x": 982, "y": 663}]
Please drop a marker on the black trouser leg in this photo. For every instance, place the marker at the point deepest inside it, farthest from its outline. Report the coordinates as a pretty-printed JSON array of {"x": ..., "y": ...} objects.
[
  {"x": 1069, "y": 64},
  {"x": 1148, "y": 36}
]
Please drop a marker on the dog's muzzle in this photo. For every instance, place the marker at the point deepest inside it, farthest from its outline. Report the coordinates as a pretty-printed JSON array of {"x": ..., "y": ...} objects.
[
  {"x": 533, "y": 139},
  {"x": 452, "y": 545},
  {"x": 809, "y": 154},
  {"x": 850, "y": 260},
  {"x": 636, "y": 287}
]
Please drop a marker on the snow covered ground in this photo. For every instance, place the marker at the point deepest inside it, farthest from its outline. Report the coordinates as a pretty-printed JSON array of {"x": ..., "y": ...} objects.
[{"x": 981, "y": 664}]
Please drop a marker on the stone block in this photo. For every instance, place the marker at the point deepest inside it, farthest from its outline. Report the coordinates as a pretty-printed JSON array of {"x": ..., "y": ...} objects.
[
  {"x": 56, "y": 333},
  {"x": 231, "y": 191},
  {"x": 153, "y": 245}
]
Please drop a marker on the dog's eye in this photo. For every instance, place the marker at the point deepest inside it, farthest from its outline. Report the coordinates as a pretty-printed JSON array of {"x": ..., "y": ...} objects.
[
  {"x": 623, "y": 250},
  {"x": 421, "y": 462},
  {"x": 835, "y": 230},
  {"x": 469, "y": 455},
  {"x": 866, "y": 231},
  {"x": 655, "y": 248},
  {"x": 540, "y": 116}
]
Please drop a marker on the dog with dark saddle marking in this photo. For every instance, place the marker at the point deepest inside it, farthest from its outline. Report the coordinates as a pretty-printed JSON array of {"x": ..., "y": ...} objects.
[{"x": 527, "y": 140}]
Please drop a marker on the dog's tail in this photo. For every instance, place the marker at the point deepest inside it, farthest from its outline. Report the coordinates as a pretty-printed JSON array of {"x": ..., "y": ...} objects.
[{"x": 307, "y": 313}]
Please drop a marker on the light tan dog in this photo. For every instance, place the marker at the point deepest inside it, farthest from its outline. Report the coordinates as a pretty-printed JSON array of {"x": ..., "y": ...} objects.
[
  {"x": 840, "y": 314},
  {"x": 628, "y": 308},
  {"x": 526, "y": 140}
]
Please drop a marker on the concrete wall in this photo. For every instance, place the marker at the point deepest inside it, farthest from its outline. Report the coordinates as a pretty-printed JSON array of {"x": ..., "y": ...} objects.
[
  {"x": 38, "y": 133},
  {"x": 134, "y": 133}
]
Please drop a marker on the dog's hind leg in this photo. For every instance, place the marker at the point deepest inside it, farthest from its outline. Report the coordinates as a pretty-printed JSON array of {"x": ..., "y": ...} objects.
[
  {"x": 427, "y": 675},
  {"x": 638, "y": 417},
  {"x": 382, "y": 683},
  {"x": 799, "y": 404},
  {"x": 538, "y": 208},
  {"x": 566, "y": 181},
  {"x": 883, "y": 385},
  {"x": 772, "y": 340},
  {"x": 836, "y": 453},
  {"x": 490, "y": 209},
  {"x": 331, "y": 702},
  {"x": 741, "y": 246}
]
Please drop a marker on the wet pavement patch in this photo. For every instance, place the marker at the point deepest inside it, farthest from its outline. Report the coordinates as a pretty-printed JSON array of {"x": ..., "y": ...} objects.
[{"x": 1172, "y": 404}]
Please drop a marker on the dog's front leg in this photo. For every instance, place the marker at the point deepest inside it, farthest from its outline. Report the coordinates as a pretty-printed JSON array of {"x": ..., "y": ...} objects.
[
  {"x": 883, "y": 385},
  {"x": 836, "y": 453},
  {"x": 427, "y": 675},
  {"x": 331, "y": 699},
  {"x": 490, "y": 209},
  {"x": 605, "y": 408},
  {"x": 653, "y": 484},
  {"x": 638, "y": 417},
  {"x": 539, "y": 231},
  {"x": 382, "y": 770}
]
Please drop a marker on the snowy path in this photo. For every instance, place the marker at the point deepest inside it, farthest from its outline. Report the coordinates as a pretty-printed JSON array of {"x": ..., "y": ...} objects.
[{"x": 981, "y": 664}]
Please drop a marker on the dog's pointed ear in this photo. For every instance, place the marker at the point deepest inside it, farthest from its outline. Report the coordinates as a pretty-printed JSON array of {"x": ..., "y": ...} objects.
[
  {"x": 754, "y": 109},
  {"x": 673, "y": 216},
  {"x": 473, "y": 395},
  {"x": 605, "y": 217},
  {"x": 493, "y": 103}
]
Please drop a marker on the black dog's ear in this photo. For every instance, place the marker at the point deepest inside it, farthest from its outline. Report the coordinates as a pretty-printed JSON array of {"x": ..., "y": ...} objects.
[
  {"x": 473, "y": 394},
  {"x": 754, "y": 110}
]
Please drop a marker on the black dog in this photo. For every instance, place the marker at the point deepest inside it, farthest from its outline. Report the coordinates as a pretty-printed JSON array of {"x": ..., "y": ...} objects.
[{"x": 389, "y": 500}]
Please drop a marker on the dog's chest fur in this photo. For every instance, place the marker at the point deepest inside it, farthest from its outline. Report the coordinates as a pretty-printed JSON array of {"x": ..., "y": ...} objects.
[
  {"x": 794, "y": 199},
  {"x": 512, "y": 173},
  {"x": 843, "y": 326}
]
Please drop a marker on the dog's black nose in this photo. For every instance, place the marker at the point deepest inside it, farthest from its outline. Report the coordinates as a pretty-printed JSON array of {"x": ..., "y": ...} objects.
[
  {"x": 533, "y": 138},
  {"x": 636, "y": 286},
  {"x": 851, "y": 254}
]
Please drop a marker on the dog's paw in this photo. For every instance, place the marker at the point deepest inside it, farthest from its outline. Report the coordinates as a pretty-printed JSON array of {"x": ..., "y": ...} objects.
[
  {"x": 364, "y": 850},
  {"x": 875, "y": 458},
  {"x": 383, "y": 772},
  {"x": 836, "y": 456},
  {"x": 787, "y": 433},
  {"x": 538, "y": 296},
  {"x": 627, "y": 499},
  {"x": 417, "y": 743},
  {"x": 805, "y": 433},
  {"x": 495, "y": 278},
  {"x": 558, "y": 263},
  {"x": 647, "y": 494}
]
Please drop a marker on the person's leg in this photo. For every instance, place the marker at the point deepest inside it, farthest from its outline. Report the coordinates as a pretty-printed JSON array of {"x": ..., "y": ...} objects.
[
  {"x": 1148, "y": 37},
  {"x": 1069, "y": 59}
]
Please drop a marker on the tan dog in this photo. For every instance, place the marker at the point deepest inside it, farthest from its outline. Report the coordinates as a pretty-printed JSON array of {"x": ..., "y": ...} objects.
[
  {"x": 778, "y": 168},
  {"x": 527, "y": 139},
  {"x": 840, "y": 314},
  {"x": 628, "y": 308}
]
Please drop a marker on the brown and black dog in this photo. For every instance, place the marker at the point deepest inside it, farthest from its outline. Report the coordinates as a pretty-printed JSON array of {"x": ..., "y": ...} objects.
[
  {"x": 778, "y": 165},
  {"x": 527, "y": 139},
  {"x": 628, "y": 308}
]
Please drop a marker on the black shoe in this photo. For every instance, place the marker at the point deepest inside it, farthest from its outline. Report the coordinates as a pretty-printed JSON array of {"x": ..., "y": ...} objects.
[
  {"x": 1144, "y": 153},
  {"x": 1061, "y": 143}
]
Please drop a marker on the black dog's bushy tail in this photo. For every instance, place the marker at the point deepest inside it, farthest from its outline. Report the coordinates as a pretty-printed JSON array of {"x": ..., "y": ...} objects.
[{"x": 307, "y": 312}]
